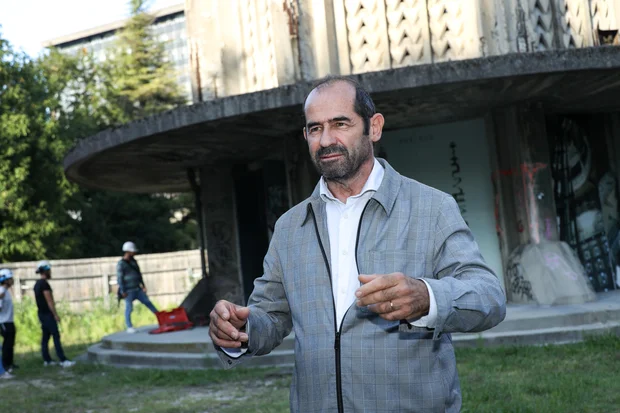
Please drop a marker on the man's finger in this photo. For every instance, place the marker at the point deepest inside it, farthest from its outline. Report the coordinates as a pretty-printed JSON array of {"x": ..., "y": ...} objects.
[
  {"x": 226, "y": 330},
  {"x": 381, "y": 296},
  {"x": 378, "y": 283},
  {"x": 223, "y": 342},
  {"x": 366, "y": 278}
]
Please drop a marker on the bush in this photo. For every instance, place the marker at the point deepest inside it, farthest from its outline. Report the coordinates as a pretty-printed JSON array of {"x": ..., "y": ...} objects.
[{"x": 76, "y": 327}]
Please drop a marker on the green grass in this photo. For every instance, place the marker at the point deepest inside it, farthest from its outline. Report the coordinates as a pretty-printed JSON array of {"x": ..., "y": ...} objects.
[
  {"x": 94, "y": 388},
  {"x": 582, "y": 377}
]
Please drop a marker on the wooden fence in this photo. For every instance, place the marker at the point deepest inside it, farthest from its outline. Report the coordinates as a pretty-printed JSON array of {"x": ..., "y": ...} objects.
[{"x": 168, "y": 278}]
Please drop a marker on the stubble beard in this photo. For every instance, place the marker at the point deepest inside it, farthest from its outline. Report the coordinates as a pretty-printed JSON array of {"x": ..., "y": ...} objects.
[{"x": 347, "y": 166}]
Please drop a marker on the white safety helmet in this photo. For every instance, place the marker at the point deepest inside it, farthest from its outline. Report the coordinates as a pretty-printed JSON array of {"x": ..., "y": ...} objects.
[
  {"x": 5, "y": 274},
  {"x": 43, "y": 266},
  {"x": 129, "y": 247}
]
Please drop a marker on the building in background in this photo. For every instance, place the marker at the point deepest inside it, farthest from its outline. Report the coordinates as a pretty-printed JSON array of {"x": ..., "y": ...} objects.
[
  {"x": 168, "y": 26},
  {"x": 510, "y": 106}
]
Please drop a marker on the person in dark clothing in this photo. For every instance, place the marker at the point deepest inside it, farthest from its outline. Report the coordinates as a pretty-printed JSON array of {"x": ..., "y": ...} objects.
[
  {"x": 48, "y": 317},
  {"x": 7, "y": 324},
  {"x": 131, "y": 284}
]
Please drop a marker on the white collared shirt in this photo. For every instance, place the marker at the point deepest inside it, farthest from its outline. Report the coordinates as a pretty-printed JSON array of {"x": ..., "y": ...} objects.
[{"x": 343, "y": 220}]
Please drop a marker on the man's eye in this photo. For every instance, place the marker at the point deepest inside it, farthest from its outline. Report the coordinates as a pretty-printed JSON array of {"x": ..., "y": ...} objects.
[
  {"x": 314, "y": 130},
  {"x": 340, "y": 124}
]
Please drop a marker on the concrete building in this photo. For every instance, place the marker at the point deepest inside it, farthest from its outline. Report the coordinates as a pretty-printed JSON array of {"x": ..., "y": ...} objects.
[
  {"x": 168, "y": 26},
  {"x": 511, "y": 106}
]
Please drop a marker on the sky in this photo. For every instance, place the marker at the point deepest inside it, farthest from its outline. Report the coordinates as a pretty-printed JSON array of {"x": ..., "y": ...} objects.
[{"x": 26, "y": 24}]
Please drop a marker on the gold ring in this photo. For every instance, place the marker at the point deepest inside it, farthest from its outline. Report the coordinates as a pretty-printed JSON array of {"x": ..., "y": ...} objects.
[{"x": 391, "y": 306}]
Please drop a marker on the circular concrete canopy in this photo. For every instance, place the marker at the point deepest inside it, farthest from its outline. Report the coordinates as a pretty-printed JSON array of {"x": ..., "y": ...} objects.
[{"x": 153, "y": 154}]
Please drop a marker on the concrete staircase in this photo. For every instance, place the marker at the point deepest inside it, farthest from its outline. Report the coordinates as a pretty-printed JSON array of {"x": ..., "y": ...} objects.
[
  {"x": 190, "y": 349},
  {"x": 524, "y": 325}
]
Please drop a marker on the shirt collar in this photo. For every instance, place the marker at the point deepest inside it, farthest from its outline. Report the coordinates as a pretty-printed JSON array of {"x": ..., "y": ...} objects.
[{"x": 372, "y": 183}]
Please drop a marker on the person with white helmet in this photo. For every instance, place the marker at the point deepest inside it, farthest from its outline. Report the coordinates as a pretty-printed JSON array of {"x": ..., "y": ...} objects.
[
  {"x": 131, "y": 285},
  {"x": 48, "y": 316},
  {"x": 7, "y": 324}
]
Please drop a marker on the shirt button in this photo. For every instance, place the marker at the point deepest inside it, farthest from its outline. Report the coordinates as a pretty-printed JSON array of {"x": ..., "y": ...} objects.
[
  {"x": 344, "y": 252},
  {"x": 345, "y": 216}
]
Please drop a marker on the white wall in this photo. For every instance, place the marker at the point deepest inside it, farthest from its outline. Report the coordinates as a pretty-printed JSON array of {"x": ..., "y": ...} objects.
[{"x": 426, "y": 155}]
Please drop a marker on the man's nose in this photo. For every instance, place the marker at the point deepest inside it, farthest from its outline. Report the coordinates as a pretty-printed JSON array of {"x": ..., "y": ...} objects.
[{"x": 327, "y": 138}]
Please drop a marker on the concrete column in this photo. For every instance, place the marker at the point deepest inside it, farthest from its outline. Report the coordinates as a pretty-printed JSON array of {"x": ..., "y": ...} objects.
[
  {"x": 539, "y": 267},
  {"x": 302, "y": 176},
  {"x": 523, "y": 175},
  {"x": 318, "y": 49},
  {"x": 224, "y": 280},
  {"x": 202, "y": 22}
]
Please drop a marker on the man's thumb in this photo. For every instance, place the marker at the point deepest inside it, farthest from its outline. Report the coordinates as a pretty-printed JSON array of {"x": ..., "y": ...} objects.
[{"x": 242, "y": 313}]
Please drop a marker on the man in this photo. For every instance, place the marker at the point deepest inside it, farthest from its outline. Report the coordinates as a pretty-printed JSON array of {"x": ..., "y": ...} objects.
[
  {"x": 373, "y": 272},
  {"x": 48, "y": 316},
  {"x": 130, "y": 283}
]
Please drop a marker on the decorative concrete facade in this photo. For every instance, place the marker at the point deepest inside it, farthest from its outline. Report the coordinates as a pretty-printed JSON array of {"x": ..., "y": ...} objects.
[{"x": 518, "y": 69}]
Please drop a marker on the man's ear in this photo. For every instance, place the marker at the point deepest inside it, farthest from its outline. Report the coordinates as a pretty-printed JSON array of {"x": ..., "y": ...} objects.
[
  {"x": 305, "y": 134},
  {"x": 376, "y": 127}
]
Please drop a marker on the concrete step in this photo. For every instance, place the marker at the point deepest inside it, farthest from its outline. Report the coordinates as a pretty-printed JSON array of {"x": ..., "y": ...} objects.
[
  {"x": 195, "y": 341},
  {"x": 524, "y": 325},
  {"x": 286, "y": 357},
  {"x": 525, "y": 318},
  {"x": 184, "y": 361},
  {"x": 540, "y": 336}
]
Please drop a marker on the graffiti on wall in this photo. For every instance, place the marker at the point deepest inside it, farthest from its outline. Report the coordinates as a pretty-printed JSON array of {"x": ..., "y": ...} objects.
[
  {"x": 586, "y": 199},
  {"x": 517, "y": 284},
  {"x": 457, "y": 190}
]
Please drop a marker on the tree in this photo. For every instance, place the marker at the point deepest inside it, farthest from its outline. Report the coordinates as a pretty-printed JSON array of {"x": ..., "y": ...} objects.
[
  {"x": 32, "y": 189},
  {"x": 46, "y": 105},
  {"x": 140, "y": 80},
  {"x": 133, "y": 82}
]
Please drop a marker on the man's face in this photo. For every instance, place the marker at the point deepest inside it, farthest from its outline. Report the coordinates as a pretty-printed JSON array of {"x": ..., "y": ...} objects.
[
  {"x": 335, "y": 133},
  {"x": 47, "y": 274}
]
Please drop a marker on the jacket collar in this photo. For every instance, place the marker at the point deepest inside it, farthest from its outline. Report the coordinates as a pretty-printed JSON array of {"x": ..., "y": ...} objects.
[{"x": 385, "y": 195}]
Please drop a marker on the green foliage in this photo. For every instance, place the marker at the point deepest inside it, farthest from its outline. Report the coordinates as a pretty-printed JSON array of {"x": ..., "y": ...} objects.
[
  {"x": 140, "y": 81},
  {"x": 32, "y": 191},
  {"x": 46, "y": 106},
  {"x": 116, "y": 217}
]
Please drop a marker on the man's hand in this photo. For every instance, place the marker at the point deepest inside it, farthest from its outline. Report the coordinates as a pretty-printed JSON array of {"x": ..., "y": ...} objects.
[
  {"x": 57, "y": 318},
  {"x": 393, "y": 296},
  {"x": 227, "y": 321},
  {"x": 144, "y": 289},
  {"x": 124, "y": 295}
]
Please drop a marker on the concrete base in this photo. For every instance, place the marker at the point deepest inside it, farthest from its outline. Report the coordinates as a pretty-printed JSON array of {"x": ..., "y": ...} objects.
[{"x": 524, "y": 325}]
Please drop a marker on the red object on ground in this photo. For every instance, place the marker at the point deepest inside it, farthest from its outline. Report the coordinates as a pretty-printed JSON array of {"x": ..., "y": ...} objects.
[{"x": 173, "y": 320}]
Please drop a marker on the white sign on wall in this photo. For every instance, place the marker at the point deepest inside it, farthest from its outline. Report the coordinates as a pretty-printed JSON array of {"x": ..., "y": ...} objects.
[{"x": 454, "y": 158}]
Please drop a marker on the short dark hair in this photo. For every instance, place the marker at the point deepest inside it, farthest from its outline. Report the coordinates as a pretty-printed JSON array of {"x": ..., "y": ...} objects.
[{"x": 363, "y": 106}]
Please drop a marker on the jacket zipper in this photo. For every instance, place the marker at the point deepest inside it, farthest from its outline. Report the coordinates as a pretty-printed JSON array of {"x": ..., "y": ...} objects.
[
  {"x": 337, "y": 339},
  {"x": 336, "y": 329},
  {"x": 357, "y": 239}
]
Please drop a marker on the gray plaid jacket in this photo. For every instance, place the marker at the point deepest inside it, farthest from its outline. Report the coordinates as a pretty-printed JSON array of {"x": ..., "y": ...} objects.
[{"x": 371, "y": 364}]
